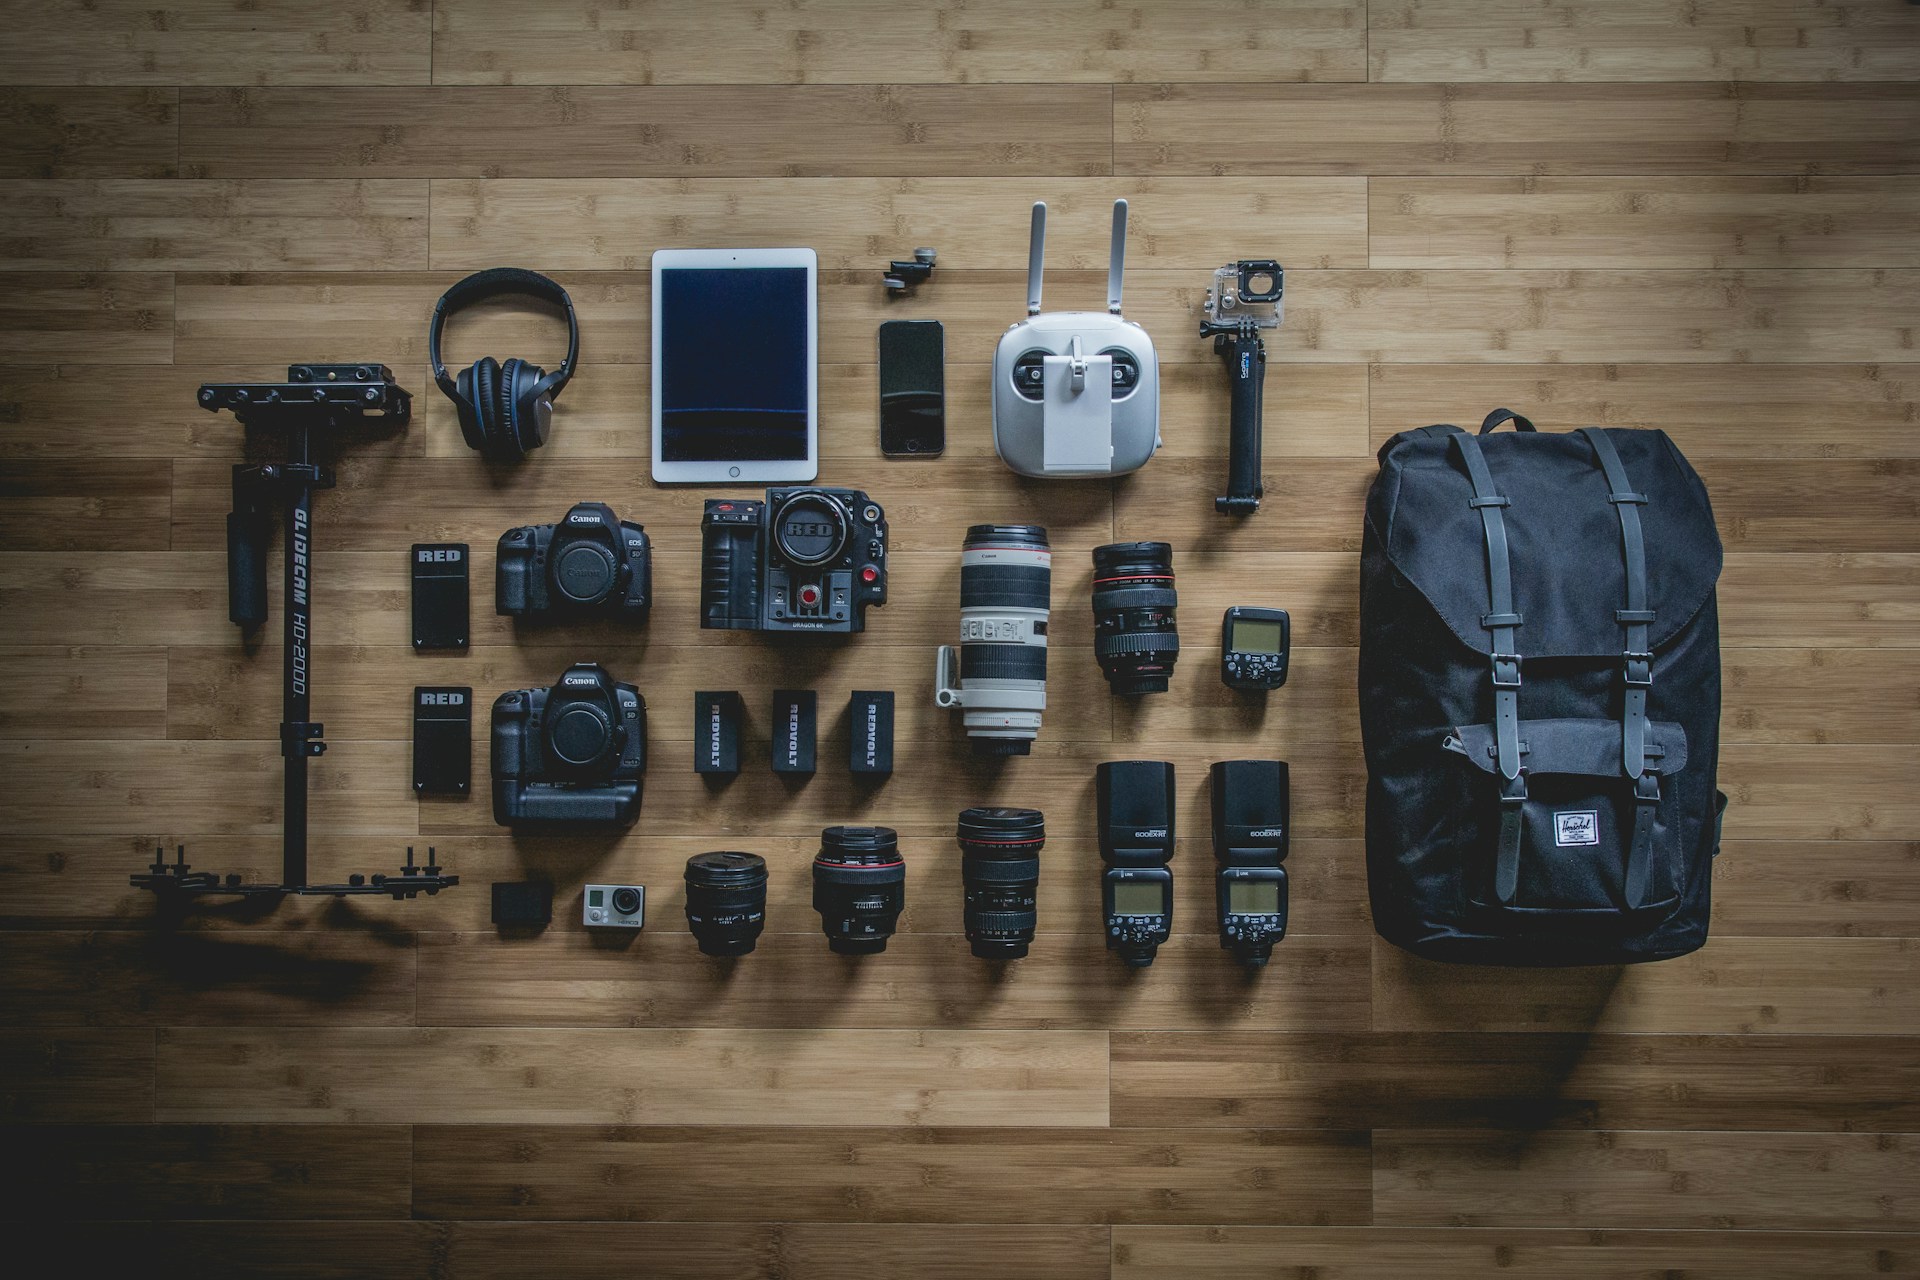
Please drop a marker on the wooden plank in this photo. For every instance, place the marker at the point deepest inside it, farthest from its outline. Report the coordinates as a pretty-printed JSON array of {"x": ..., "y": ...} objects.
[
  {"x": 1340, "y": 316},
  {"x": 344, "y": 977},
  {"x": 1740, "y": 986},
  {"x": 184, "y": 1172},
  {"x": 1187, "y": 223},
  {"x": 779, "y": 1250},
  {"x": 1792, "y": 1181},
  {"x": 573, "y": 1076},
  {"x": 132, "y": 598},
  {"x": 98, "y": 505},
  {"x": 49, "y": 691},
  {"x": 892, "y": 1175},
  {"x": 855, "y": 41},
  {"x": 121, "y": 318},
  {"x": 134, "y": 788},
  {"x": 1831, "y": 600},
  {"x": 880, "y": 130},
  {"x": 1859, "y": 889},
  {"x": 1641, "y": 222},
  {"x": 1466, "y": 1253},
  {"x": 216, "y": 1250},
  {"x": 922, "y": 980},
  {"x": 1532, "y": 1081},
  {"x": 1538, "y": 129},
  {"x": 142, "y": 225},
  {"x": 1845, "y": 793},
  {"x": 88, "y": 133},
  {"x": 211, "y": 42},
  {"x": 1742, "y": 40},
  {"x": 1724, "y": 411},
  {"x": 76, "y": 1077},
  {"x": 1820, "y": 695}
]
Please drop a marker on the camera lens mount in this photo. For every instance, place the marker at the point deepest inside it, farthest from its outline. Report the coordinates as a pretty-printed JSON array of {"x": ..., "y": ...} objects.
[{"x": 811, "y": 527}]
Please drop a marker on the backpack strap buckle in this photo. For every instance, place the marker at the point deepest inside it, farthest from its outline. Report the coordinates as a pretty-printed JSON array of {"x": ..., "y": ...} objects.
[{"x": 1506, "y": 670}]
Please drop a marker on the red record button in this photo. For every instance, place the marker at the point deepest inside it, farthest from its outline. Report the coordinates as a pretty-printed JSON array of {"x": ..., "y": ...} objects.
[
  {"x": 869, "y": 574},
  {"x": 809, "y": 595}
]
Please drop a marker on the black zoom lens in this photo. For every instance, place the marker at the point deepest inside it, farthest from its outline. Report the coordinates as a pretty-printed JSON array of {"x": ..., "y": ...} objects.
[
  {"x": 726, "y": 901},
  {"x": 1134, "y": 634},
  {"x": 859, "y": 887},
  {"x": 1000, "y": 867}
]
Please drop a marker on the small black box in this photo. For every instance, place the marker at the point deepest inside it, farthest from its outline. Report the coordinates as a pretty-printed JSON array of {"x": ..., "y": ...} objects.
[
  {"x": 870, "y": 732},
  {"x": 716, "y": 732},
  {"x": 794, "y": 720},
  {"x": 522, "y": 903},
  {"x": 442, "y": 740},
  {"x": 439, "y": 595}
]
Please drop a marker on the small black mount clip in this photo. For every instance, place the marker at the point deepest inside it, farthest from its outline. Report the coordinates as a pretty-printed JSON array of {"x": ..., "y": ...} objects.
[{"x": 900, "y": 277}]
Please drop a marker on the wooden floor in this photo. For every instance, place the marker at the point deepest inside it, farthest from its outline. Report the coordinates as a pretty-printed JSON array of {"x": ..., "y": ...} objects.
[{"x": 1701, "y": 215}]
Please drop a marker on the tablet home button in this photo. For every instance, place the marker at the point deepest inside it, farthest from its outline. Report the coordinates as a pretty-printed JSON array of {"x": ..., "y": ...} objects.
[{"x": 734, "y": 472}]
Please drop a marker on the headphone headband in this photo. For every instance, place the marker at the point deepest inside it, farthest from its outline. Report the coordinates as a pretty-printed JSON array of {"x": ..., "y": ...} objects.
[{"x": 492, "y": 283}]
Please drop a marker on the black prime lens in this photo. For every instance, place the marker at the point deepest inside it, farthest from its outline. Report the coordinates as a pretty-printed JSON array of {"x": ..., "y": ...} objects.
[
  {"x": 1134, "y": 634},
  {"x": 726, "y": 901},
  {"x": 859, "y": 887},
  {"x": 1000, "y": 868}
]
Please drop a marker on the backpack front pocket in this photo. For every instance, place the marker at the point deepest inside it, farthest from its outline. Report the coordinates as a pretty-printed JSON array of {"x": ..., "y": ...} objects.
[{"x": 1586, "y": 844}]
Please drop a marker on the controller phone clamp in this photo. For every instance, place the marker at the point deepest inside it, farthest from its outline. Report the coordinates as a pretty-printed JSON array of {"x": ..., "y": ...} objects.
[{"x": 1076, "y": 394}]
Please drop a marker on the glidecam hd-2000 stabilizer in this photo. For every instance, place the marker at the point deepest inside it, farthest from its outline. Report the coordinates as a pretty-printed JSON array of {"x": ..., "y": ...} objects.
[{"x": 314, "y": 398}]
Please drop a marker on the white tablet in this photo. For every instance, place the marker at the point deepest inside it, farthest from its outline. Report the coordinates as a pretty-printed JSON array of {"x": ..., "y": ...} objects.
[{"x": 736, "y": 367}]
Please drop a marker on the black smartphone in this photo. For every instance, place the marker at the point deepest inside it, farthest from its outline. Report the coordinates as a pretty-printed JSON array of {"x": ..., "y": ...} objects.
[{"x": 913, "y": 388}]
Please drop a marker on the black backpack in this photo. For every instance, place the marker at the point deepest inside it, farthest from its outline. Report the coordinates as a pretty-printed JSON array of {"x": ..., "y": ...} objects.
[{"x": 1540, "y": 695}]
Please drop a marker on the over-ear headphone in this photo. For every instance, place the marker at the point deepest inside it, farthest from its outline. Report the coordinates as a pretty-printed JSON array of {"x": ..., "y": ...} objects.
[{"x": 505, "y": 409}]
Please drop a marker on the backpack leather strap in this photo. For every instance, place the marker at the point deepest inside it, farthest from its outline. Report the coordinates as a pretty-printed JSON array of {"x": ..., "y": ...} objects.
[
  {"x": 1502, "y": 620},
  {"x": 1636, "y": 621}
]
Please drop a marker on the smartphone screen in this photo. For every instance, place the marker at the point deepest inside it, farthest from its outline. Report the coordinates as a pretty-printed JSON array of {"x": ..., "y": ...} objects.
[{"x": 913, "y": 388}]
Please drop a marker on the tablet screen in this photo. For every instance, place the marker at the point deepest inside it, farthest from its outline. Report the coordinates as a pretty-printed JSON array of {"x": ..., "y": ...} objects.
[{"x": 733, "y": 364}]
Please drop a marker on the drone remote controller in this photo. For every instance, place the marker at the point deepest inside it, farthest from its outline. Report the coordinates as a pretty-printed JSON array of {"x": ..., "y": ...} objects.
[{"x": 1076, "y": 393}]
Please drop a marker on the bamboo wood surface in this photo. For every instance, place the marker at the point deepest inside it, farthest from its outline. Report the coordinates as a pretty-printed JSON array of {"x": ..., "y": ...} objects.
[{"x": 1696, "y": 215}]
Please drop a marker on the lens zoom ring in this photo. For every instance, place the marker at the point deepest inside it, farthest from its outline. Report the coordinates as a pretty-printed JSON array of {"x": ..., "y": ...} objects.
[
  {"x": 1106, "y": 599},
  {"x": 1003, "y": 662},
  {"x": 1113, "y": 644},
  {"x": 1005, "y": 586},
  {"x": 978, "y": 870}
]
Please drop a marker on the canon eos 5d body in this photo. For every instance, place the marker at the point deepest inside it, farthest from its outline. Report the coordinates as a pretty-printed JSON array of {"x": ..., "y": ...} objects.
[
  {"x": 570, "y": 756},
  {"x": 592, "y": 562},
  {"x": 809, "y": 559}
]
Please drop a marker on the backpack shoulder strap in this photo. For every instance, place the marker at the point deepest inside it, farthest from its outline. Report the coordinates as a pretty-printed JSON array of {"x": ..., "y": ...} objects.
[
  {"x": 1501, "y": 621},
  {"x": 1636, "y": 622}
]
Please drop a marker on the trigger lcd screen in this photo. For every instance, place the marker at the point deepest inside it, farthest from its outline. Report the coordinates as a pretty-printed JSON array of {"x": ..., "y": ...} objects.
[{"x": 733, "y": 364}]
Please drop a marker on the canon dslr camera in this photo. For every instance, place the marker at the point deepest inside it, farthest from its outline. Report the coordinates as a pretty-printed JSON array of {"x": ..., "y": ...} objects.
[
  {"x": 808, "y": 559},
  {"x": 570, "y": 756},
  {"x": 591, "y": 562}
]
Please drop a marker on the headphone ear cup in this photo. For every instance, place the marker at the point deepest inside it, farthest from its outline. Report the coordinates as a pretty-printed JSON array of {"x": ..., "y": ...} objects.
[
  {"x": 486, "y": 404},
  {"x": 508, "y": 441},
  {"x": 464, "y": 408},
  {"x": 530, "y": 420}
]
